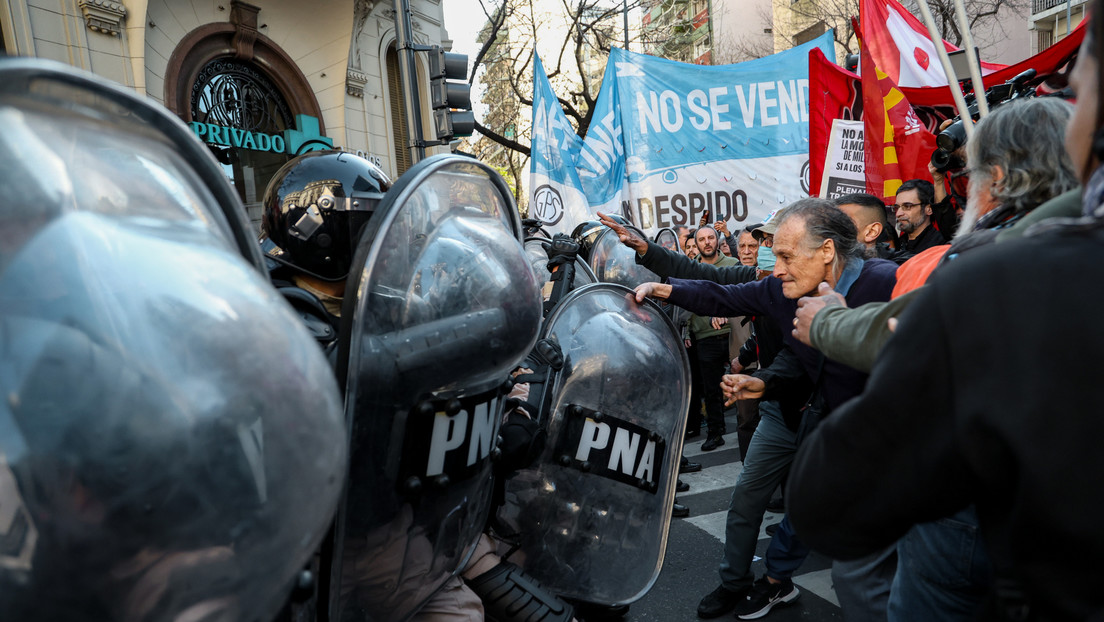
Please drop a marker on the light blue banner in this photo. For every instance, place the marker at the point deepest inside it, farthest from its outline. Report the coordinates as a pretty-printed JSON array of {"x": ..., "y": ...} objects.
[
  {"x": 669, "y": 141},
  {"x": 556, "y": 198}
]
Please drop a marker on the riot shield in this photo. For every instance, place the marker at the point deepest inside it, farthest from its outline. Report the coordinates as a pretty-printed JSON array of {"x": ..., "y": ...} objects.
[
  {"x": 667, "y": 238},
  {"x": 538, "y": 259},
  {"x": 590, "y": 517},
  {"x": 613, "y": 262},
  {"x": 171, "y": 438},
  {"x": 446, "y": 305}
]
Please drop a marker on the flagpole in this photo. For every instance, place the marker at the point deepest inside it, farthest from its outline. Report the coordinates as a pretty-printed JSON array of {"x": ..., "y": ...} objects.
[
  {"x": 956, "y": 90},
  {"x": 972, "y": 58}
]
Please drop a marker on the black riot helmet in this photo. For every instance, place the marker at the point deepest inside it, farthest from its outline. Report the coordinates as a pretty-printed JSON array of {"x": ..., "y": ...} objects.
[
  {"x": 315, "y": 208},
  {"x": 586, "y": 232}
]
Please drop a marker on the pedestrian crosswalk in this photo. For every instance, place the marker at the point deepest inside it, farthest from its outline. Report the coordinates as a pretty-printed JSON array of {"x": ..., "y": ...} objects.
[{"x": 695, "y": 547}]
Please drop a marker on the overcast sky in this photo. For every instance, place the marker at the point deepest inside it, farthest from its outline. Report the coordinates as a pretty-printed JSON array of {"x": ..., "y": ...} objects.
[{"x": 463, "y": 20}]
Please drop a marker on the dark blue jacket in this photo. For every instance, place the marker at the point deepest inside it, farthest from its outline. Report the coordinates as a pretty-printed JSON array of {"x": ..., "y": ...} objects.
[{"x": 837, "y": 382}]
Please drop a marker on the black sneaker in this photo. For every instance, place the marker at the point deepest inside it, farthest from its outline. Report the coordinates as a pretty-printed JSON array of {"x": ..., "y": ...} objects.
[
  {"x": 720, "y": 601},
  {"x": 763, "y": 596},
  {"x": 681, "y": 486}
]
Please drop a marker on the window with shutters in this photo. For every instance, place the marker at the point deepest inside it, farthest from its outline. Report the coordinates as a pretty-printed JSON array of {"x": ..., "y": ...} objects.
[{"x": 398, "y": 114}]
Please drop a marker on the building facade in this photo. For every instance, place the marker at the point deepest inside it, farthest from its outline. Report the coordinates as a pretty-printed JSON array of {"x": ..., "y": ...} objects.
[
  {"x": 679, "y": 30},
  {"x": 1052, "y": 20},
  {"x": 259, "y": 83}
]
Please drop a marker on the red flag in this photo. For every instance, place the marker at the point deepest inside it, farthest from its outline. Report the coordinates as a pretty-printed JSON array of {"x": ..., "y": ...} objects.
[
  {"x": 898, "y": 146},
  {"x": 900, "y": 45},
  {"x": 834, "y": 93},
  {"x": 1051, "y": 60}
]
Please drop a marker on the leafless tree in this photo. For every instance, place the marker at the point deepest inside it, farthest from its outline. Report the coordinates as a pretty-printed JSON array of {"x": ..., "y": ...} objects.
[
  {"x": 585, "y": 31},
  {"x": 812, "y": 17}
]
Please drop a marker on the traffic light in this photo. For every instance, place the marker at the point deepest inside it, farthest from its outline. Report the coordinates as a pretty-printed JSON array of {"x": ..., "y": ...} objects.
[{"x": 452, "y": 113}]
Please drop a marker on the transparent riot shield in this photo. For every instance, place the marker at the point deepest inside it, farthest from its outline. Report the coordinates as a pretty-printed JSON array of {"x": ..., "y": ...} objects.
[
  {"x": 613, "y": 262},
  {"x": 590, "y": 518},
  {"x": 171, "y": 438},
  {"x": 538, "y": 259},
  {"x": 446, "y": 305},
  {"x": 667, "y": 238}
]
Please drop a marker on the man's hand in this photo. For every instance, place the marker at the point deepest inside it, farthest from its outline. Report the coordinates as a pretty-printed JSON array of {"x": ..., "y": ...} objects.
[
  {"x": 704, "y": 219},
  {"x": 718, "y": 322},
  {"x": 659, "y": 291},
  {"x": 722, "y": 228},
  {"x": 809, "y": 306},
  {"x": 741, "y": 387},
  {"x": 735, "y": 366},
  {"x": 628, "y": 238}
]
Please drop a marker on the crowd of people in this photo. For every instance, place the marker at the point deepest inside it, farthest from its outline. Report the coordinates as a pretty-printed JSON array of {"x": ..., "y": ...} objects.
[
  {"x": 918, "y": 378},
  {"x": 929, "y": 400}
]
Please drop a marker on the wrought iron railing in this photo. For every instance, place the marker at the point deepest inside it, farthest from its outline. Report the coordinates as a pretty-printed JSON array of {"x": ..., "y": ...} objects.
[{"x": 1038, "y": 6}]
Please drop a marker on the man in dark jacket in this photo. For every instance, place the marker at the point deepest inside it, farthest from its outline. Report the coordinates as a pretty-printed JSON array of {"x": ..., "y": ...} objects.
[
  {"x": 814, "y": 242},
  {"x": 914, "y": 216}
]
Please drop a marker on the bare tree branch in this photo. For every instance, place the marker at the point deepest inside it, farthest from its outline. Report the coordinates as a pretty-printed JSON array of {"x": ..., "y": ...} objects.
[{"x": 500, "y": 139}]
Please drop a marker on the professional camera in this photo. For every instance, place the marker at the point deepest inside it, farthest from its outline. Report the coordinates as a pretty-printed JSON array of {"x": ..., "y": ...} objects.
[{"x": 954, "y": 136}]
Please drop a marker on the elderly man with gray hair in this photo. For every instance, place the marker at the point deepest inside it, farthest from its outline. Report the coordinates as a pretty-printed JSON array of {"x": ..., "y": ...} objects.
[{"x": 815, "y": 242}]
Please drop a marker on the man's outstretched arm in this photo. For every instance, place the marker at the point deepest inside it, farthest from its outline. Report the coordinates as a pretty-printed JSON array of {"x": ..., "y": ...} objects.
[{"x": 667, "y": 263}]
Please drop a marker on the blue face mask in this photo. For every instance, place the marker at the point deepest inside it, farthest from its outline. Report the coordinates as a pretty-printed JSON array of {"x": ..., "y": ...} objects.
[{"x": 766, "y": 258}]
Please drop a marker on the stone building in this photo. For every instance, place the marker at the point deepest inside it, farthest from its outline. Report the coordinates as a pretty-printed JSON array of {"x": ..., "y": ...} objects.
[{"x": 257, "y": 82}]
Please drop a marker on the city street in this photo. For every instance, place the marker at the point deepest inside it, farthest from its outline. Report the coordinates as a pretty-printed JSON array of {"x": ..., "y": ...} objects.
[{"x": 695, "y": 544}]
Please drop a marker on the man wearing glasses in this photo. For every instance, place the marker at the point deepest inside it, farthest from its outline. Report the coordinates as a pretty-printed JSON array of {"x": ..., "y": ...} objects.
[{"x": 914, "y": 210}]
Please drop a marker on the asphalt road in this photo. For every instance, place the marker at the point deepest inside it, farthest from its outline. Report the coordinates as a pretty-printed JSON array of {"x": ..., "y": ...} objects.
[{"x": 694, "y": 548}]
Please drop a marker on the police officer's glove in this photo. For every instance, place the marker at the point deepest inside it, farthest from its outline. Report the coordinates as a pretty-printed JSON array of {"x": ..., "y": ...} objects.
[
  {"x": 562, "y": 250},
  {"x": 523, "y": 441}
]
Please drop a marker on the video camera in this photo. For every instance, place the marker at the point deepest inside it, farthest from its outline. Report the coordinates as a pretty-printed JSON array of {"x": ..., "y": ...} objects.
[{"x": 954, "y": 136}]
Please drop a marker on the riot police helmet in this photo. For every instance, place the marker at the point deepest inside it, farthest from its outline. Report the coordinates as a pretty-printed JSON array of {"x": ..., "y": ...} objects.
[
  {"x": 315, "y": 208},
  {"x": 587, "y": 232}
]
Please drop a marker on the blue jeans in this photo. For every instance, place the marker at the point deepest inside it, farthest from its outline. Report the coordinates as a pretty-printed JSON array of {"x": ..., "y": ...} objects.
[
  {"x": 786, "y": 552},
  {"x": 768, "y": 459},
  {"x": 862, "y": 585},
  {"x": 943, "y": 572}
]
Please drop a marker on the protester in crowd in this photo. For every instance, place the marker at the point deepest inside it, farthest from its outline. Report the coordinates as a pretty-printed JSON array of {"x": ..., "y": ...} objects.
[
  {"x": 742, "y": 337},
  {"x": 947, "y": 207},
  {"x": 690, "y": 247},
  {"x": 710, "y": 337},
  {"x": 729, "y": 240},
  {"x": 683, "y": 232},
  {"x": 747, "y": 248},
  {"x": 869, "y": 215},
  {"x": 815, "y": 241},
  {"x": 914, "y": 210},
  {"x": 883, "y": 464}
]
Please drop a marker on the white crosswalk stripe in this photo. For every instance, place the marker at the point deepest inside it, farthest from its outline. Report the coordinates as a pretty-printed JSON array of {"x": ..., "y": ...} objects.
[
  {"x": 694, "y": 448},
  {"x": 720, "y": 477},
  {"x": 723, "y": 477}
]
